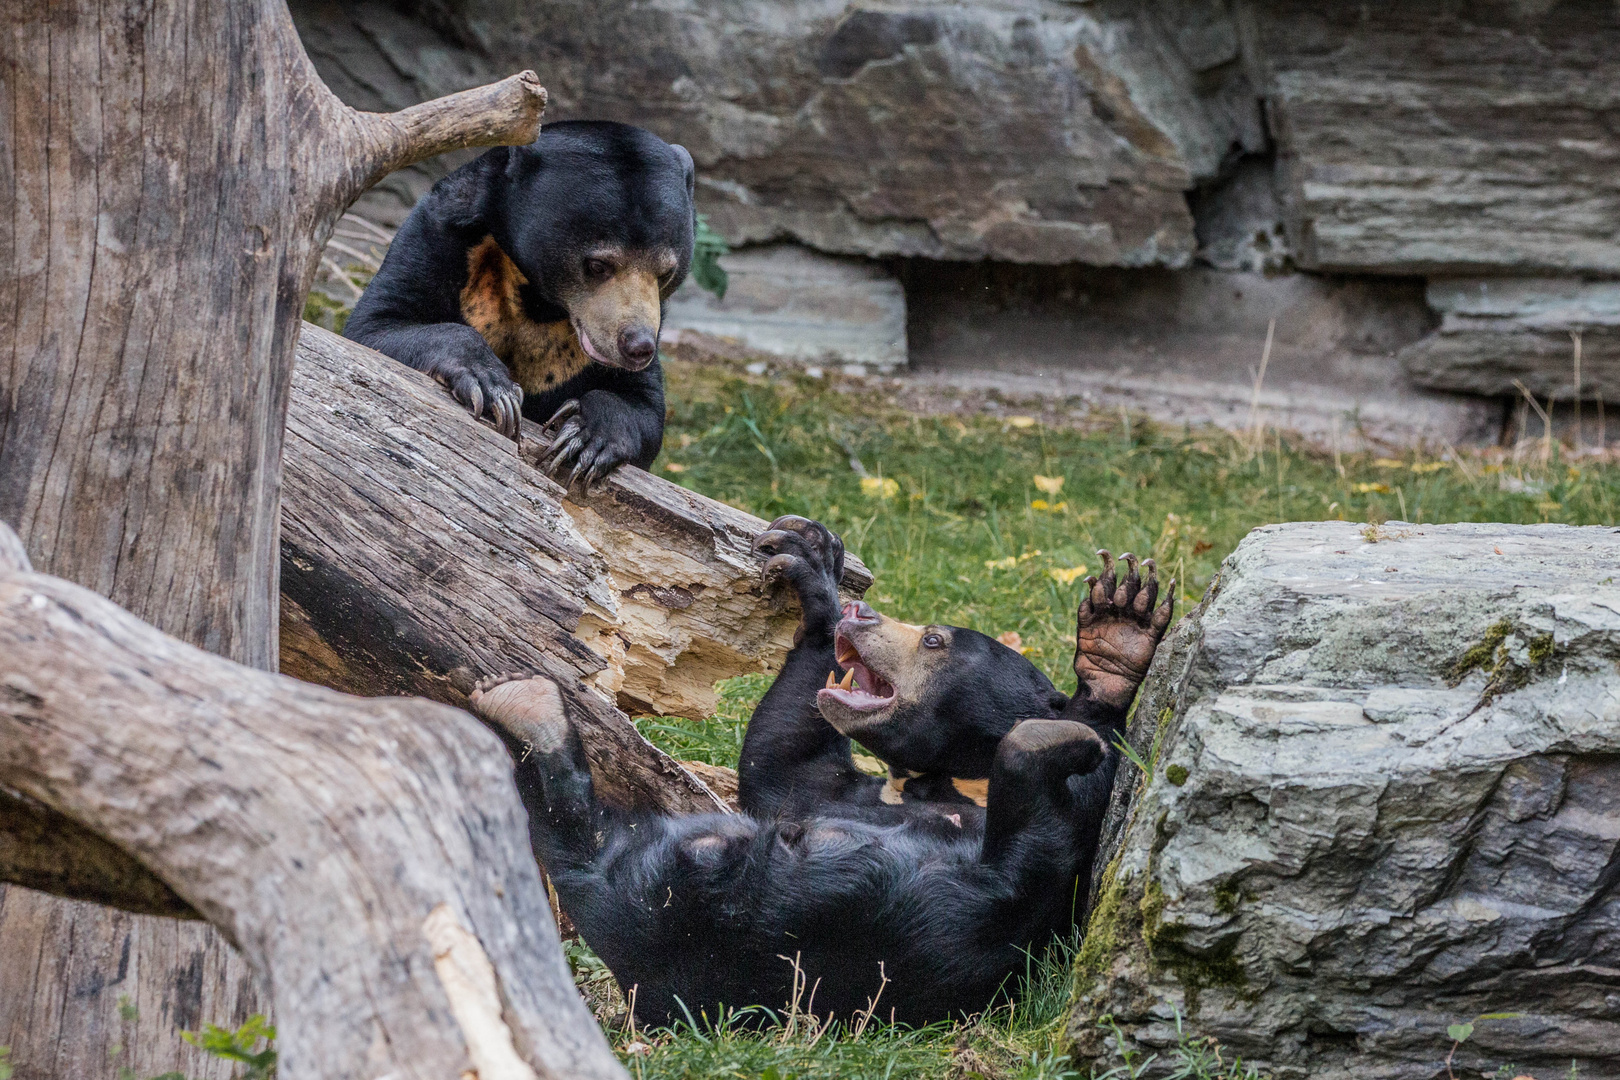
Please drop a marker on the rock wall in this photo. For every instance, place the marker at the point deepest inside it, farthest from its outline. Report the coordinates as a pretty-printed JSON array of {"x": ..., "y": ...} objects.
[
  {"x": 1430, "y": 137},
  {"x": 1384, "y": 799}
]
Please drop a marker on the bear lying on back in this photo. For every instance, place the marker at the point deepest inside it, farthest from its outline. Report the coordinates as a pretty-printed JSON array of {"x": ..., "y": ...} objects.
[
  {"x": 533, "y": 278},
  {"x": 876, "y": 892}
]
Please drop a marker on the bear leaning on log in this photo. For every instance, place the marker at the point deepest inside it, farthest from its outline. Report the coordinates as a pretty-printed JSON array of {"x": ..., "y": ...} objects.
[
  {"x": 917, "y": 895},
  {"x": 532, "y": 280}
]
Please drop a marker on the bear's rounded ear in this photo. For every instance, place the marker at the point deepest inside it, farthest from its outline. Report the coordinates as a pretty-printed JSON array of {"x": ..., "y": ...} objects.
[
  {"x": 460, "y": 198},
  {"x": 688, "y": 167}
]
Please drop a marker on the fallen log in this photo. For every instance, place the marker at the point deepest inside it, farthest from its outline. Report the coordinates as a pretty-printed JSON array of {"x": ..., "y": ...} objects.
[
  {"x": 421, "y": 551},
  {"x": 327, "y": 837}
]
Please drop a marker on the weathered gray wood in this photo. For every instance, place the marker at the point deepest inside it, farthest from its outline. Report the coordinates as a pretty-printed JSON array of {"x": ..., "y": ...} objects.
[
  {"x": 421, "y": 551},
  {"x": 43, "y": 850},
  {"x": 174, "y": 170},
  {"x": 83, "y": 961},
  {"x": 369, "y": 857}
]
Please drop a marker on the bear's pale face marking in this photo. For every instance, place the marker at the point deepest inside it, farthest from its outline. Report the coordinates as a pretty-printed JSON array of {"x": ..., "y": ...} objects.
[
  {"x": 540, "y": 356},
  {"x": 622, "y": 292},
  {"x": 889, "y": 666}
]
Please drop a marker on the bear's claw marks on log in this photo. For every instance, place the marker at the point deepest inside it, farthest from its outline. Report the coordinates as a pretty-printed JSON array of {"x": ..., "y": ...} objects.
[{"x": 1118, "y": 628}]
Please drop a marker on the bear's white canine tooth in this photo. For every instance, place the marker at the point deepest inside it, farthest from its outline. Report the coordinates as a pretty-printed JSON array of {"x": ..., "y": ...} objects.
[
  {"x": 849, "y": 680},
  {"x": 831, "y": 681}
]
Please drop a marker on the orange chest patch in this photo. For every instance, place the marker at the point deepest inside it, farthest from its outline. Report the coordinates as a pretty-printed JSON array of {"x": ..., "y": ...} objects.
[
  {"x": 540, "y": 356},
  {"x": 894, "y": 789}
]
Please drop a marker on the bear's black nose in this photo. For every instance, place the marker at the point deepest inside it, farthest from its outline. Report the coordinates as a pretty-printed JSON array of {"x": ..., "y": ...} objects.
[
  {"x": 860, "y": 611},
  {"x": 637, "y": 345}
]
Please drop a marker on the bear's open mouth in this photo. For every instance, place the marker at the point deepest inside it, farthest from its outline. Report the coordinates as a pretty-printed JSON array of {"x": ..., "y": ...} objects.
[{"x": 862, "y": 689}]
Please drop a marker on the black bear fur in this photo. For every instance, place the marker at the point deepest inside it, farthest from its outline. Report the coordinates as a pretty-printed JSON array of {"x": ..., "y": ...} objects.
[{"x": 841, "y": 876}]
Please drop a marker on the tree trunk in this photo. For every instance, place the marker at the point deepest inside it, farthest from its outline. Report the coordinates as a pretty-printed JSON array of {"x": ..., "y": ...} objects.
[
  {"x": 368, "y": 856},
  {"x": 173, "y": 170},
  {"x": 422, "y": 551}
]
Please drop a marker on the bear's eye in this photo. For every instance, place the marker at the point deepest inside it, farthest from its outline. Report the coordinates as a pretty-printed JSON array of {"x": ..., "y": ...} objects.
[
  {"x": 598, "y": 268},
  {"x": 932, "y": 641}
]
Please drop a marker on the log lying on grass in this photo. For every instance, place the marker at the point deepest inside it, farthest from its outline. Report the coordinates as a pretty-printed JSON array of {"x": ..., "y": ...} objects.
[
  {"x": 328, "y": 837},
  {"x": 421, "y": 551}
]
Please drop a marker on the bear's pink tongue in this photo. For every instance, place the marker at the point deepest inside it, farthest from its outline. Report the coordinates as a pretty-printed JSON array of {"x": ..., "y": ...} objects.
[{"x": 590, "y": 350}]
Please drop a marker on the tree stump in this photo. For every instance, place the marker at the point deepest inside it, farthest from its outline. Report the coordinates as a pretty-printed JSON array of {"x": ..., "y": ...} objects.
[{"x": 174, "y": 170}]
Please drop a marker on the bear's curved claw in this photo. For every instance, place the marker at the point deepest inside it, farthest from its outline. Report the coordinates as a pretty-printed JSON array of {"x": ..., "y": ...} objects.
[
  {"x": 1118, "y": 628},
  {"x": 809, "y": 557}
]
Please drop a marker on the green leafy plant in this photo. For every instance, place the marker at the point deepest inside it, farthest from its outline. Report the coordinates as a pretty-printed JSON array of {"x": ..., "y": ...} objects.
[
  {"x": 5, "y": 1063},
  {"x": 239, "y": 1045},
  {"x": 707, "y": 247},
  {"x": 1461, "y": 1033}
]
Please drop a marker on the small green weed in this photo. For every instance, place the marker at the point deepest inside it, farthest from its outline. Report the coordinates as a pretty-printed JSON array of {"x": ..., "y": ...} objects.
[
  {"x": 707, "y": 247},
  {"x": 239, "y": 1046}
]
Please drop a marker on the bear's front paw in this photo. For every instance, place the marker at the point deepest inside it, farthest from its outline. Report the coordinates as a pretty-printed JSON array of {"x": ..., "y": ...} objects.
[
  {"x": 479, "y": 380},
  {"x": 806, "y": 555},
  {"x": 591, "y": 449},
  {"x": 1118, "y": 630}
]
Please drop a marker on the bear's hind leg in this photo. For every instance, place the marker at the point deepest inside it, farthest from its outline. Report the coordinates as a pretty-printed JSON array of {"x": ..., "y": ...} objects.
[
  {"x": 1028, "y": 809},
  {"x": 552, "y": 772}
]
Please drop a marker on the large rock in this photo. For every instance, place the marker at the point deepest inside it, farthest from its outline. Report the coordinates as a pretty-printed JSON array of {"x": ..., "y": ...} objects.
[
  {"x": 1498, "y": 332},
  {"x": 1385, "y": 798},
  {"x": 1421, "y": 137},
  {"x": 1020, "y": 130},
  {"x": 1431, "y": 136}
]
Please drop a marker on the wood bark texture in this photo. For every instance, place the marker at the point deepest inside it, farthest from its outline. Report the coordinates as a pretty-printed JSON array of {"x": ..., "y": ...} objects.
[
  {"x": 173, "y": 169},
  {"x": 369, "y": 857},
  {"x": 421, "y": 551}
]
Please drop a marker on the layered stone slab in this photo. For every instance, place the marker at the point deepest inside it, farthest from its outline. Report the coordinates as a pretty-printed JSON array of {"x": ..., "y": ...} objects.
[{"x": 1384, "y": 799}]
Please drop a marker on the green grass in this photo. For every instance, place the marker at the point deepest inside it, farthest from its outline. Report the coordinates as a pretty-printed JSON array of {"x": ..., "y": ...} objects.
[
  {"x": 954, "y": 523},
  {"x": 950, "y": 517},
  {"x": 1014, "y": 1040}
]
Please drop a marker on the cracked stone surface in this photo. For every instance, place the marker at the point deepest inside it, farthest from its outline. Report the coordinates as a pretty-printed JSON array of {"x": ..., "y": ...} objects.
[{"x": 1385, "y": 799}]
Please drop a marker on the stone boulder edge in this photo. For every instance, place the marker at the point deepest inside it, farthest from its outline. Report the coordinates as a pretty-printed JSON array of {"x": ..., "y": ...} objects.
[{"x": 1384, "y": 798}]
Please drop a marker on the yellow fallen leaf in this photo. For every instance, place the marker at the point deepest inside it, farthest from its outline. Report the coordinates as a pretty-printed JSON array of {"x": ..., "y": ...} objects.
[
  {"x": 1001, "y": 564},
  {"x": 880, "y": 487},
  {"x": 1363, "y": 489},
  {"x": 1389, "y": 463},
  {"x": 1021, "y": 421},
  {"x": 1049, "y": 484},
  {"x": 1040, "y": 504},
  {"x": 1026, "y": 556},
  {"x": 1066, "y": 575},
  {"x": 1428, "y": 466},
  {"x": 674, "y": 466}
]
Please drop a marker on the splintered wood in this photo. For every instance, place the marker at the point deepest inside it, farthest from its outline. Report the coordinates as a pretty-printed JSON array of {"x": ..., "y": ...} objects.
[{"x": 421, "y": 551}]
